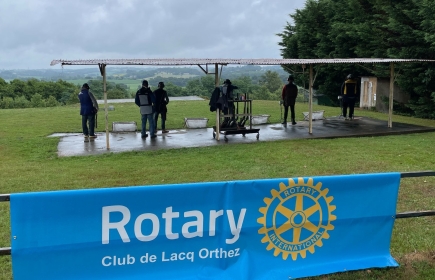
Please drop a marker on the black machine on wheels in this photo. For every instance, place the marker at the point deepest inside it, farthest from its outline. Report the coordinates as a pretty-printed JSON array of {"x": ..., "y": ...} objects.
[{"x": 229, "y": 122}]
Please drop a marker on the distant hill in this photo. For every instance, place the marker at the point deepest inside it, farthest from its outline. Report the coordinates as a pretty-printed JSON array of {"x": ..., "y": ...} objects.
[{"x": 134, "y": 73}]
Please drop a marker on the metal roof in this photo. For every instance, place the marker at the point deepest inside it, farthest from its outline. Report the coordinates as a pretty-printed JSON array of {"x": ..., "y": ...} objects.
[{"x": 205, "y": 61}]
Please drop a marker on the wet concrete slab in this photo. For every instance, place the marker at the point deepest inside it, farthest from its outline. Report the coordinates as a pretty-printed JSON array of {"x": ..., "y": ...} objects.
[{"x": 72, "y": 144}]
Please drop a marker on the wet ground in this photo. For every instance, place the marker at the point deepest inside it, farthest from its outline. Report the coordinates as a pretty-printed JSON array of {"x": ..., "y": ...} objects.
[{"x": 73, "y": 144}]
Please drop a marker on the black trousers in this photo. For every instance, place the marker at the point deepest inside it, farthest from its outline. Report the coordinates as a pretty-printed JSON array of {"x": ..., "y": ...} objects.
[
  {"x": 348, "y": 102},
  {"x": 292, "y": 112},
  {"x": 156, "y": 119}
]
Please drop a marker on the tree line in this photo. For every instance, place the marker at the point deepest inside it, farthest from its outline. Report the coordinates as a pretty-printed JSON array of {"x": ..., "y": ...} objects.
[
  {"x": 367, "y": 29},
  {"x": 36, "y": 93}
]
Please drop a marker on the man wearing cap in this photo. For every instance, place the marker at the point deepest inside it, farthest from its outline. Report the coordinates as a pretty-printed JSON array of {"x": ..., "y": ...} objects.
[
  {"x": 162, "y": 100},
  {"x": 88, "y": 109},
  {"x": 227, "y": 93},
  {"x": 349, "y": 91},
  {"x": 289, "y": 94},
  {"x": 145, "y": 100}
]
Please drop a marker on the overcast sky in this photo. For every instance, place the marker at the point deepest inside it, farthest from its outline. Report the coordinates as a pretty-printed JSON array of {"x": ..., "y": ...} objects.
[{"x": 34, "y": 32}]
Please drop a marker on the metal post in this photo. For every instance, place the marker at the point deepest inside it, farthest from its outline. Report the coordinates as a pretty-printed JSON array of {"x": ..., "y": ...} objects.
[
  {"x": 391, "y": 97},
  {"x": 216, "y": 82},
  {"x": 310, "y": 102},
  {"x": 105, "y": 106}
]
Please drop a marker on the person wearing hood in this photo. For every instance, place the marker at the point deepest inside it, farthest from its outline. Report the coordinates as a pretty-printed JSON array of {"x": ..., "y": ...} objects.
[{"x": 88, "y": 110}]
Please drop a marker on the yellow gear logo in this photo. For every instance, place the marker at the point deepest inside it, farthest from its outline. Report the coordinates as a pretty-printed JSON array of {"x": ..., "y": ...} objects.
[{"x": 296, "y": 218}]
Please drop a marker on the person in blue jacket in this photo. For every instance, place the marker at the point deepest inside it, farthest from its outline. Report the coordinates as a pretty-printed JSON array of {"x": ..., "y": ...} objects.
[{"x": 88, "y": 110}]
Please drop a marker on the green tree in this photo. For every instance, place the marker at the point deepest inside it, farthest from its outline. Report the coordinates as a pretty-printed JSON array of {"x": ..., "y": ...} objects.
[
  {"x": 96, "y": 87},
  {"x": 37, "y": 101},
  {"x": 271, "y": 81},
  {"x": 21, "y": 102},
  {"x": 195, "y": 87},
  {"x": 18, "y": 88},
  {"x": 51, "y": 102},
  {"x": 244, "y": 83},
  {"x": 174, "y": 90},
  {"x": 5, "y": 89},
  {"x": 366, "y": 28},
  {"x": 115, "y": 93},
  {"x": 208, "y": 83},
  {"x": 7, "y": 103}
]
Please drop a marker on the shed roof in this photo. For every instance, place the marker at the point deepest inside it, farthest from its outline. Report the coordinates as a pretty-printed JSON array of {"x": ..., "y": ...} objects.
[{"x": 205, "y": 61}]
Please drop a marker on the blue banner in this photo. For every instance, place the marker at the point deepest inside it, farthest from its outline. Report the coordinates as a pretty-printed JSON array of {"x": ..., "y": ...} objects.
[{"x": 258, "y": 229}]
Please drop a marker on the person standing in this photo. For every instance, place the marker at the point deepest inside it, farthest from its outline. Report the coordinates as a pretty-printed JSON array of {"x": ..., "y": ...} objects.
[
  {"x": 88, "y": 109},
  {"x": 348, "y": 95},
  {"x": 145, "y": 100},
  {"x": 289, "y": 94},
  {"x": 162, "y": 100},
  {"x": 227, "y": 103}
]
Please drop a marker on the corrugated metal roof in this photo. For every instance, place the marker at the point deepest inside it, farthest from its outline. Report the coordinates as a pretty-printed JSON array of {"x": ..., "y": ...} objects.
[{"x": 205, "y": 61}]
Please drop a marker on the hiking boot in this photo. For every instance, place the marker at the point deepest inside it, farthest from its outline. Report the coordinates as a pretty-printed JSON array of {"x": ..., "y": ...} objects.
[{"x": 93, "y": 136}]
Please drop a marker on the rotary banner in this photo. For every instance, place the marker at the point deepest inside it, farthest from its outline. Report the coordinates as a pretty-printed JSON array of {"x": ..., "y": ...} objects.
[{"x": 259, "y": 229}]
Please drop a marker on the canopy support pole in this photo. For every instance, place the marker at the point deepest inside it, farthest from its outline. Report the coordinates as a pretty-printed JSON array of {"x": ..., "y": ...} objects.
[
  {"x": 106, "y": 111},
  {"x": 310, "y": 102},
  {"x": 391, "y": 97}
]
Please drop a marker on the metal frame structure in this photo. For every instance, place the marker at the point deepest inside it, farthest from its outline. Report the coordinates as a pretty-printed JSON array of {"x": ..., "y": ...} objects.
[
  {"x": 404, "y": 215},
  {"x": 102, "y": 63}
]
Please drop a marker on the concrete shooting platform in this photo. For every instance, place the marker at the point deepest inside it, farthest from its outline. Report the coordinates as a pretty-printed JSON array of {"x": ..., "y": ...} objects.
[{"x": 72, "y": 144}]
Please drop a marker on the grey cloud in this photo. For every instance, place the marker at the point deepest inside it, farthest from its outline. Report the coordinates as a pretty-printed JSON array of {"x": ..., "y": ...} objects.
[{"x": 38, "y": 31}]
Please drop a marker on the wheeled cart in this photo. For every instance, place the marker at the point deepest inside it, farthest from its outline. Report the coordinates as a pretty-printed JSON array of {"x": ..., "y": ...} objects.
[{"x": 229, "y": 124}]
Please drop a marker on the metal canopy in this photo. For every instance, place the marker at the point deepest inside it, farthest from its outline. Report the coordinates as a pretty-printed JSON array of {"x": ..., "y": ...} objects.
[
  {"x": 205, "y": 61},
  {"x": 102, "y": 63}
]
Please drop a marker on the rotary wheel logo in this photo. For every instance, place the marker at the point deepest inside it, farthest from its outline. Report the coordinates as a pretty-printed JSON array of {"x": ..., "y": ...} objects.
[{"x": 296, "y": 218}]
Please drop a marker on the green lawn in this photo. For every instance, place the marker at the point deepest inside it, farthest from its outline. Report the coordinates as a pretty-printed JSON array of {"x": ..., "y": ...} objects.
[{"x": 29, "y": 163}]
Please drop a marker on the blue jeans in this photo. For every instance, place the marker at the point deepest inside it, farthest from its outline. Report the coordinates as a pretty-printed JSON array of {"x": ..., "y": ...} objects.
[
  {"x": 150, "y": 119},
  {"x": 91, "y": 120}
]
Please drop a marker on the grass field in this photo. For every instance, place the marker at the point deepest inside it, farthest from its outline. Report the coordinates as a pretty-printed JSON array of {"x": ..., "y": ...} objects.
[
  {"x": 134, "y": 83},
  {"x": 29, "y": 163}
]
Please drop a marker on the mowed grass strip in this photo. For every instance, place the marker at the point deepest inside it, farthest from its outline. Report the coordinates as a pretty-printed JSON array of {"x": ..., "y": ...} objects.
[{"x": 29, "y": 163}]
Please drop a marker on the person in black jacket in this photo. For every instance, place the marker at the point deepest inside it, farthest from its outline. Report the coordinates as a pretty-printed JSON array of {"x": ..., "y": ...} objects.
[
  {"x": 288, "y": 95},
  {"x": 162, "y": 100},
  {"x": 145, "y": 100},
  {"x": 226, "y": 102},
  {"x": 349, "y": 91},
  {"x": 88, "y": 110}
]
